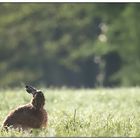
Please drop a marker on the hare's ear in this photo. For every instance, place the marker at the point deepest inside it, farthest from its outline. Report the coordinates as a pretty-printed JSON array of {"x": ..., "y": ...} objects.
[{"x": 30, "y": 89}]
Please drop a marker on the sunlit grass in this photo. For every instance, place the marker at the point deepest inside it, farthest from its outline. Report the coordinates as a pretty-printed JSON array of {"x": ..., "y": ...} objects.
[{"x": 80, "y": 112}]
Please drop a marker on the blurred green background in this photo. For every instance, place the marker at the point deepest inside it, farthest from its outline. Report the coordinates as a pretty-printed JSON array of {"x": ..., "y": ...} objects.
[{"x": 70, "y": 44}]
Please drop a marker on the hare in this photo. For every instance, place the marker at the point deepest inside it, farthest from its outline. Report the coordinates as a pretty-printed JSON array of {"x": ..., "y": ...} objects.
[{"x": 31, "y": 115}]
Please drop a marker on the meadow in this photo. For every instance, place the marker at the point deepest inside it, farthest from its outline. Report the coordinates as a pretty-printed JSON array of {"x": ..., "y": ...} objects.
[{"x": 80, "y": 112}]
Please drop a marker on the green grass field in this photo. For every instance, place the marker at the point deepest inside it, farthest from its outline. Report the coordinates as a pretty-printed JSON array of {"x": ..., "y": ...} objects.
[{"x": 80, "y": 112}]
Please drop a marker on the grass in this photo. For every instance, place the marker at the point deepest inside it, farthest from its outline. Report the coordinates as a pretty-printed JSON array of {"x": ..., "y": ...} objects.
[{"x": 80, "y": 112}]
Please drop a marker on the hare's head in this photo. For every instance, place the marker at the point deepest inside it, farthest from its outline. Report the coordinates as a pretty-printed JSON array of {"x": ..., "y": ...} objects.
[{"x": 38, "y": 100}]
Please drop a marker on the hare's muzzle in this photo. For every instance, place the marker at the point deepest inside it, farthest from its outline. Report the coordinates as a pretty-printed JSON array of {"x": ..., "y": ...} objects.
[{"x": 30, "y": 89}]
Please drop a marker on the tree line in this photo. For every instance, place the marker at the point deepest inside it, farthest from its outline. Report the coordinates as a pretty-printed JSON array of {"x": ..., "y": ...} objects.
[{"x": 69, "y": 44}]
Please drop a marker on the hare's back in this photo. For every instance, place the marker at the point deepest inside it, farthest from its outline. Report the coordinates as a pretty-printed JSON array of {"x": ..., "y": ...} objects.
[{"x": 25, "y": 116}]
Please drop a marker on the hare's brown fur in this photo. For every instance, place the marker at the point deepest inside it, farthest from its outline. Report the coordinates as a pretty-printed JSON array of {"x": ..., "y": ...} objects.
[{"x": 31, "y": 115}]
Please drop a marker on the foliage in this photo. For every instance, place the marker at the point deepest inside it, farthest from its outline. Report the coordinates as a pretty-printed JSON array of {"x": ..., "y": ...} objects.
[
  {"x": 81, "y": 113},
  {"x": 56, "y": 44},
  {"x": 123, "y": 34}
]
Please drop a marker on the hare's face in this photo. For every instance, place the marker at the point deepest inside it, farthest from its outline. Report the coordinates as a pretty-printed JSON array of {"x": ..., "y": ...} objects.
[
  {"x": 38, "y": 100},
  {"x": 31, "y": 90}
]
